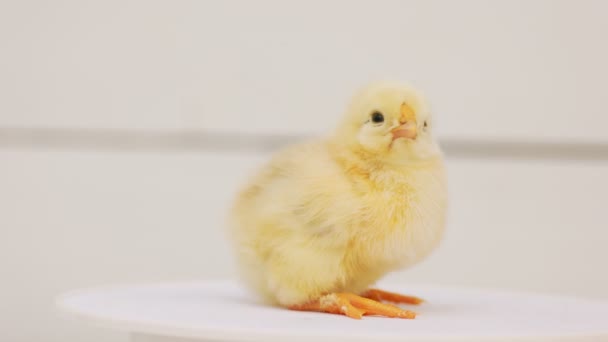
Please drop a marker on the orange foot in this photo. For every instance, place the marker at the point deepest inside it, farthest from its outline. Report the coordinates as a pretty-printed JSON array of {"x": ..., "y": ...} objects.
[
  {"x": 384, "y": 296},
  {"x": 353, "y": 306}
]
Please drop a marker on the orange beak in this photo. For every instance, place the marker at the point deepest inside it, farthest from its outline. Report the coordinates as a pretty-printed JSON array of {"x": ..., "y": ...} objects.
[{"x": 408, "y": 128}]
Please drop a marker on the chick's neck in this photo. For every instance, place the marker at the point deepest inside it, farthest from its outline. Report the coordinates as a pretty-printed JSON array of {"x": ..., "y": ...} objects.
[{"x": 358, "y": 162}]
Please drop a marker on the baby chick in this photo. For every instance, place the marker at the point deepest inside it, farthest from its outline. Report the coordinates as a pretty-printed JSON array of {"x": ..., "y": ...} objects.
[{"x": 323, "y": 221}]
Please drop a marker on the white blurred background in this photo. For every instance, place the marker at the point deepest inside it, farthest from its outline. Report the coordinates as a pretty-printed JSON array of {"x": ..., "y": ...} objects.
[{"x": 127, "y": 126}]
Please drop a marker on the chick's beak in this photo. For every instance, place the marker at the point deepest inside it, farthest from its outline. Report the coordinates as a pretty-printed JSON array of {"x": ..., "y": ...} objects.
[{"x": 408, "y": 128}]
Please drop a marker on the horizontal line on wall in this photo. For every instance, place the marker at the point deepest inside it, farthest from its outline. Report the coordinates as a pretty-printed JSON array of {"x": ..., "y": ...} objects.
[{"x": 133, "y": 140}]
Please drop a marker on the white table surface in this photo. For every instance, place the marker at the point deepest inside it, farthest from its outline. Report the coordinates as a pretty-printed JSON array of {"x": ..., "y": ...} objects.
[{"x": 221, "y": 311}]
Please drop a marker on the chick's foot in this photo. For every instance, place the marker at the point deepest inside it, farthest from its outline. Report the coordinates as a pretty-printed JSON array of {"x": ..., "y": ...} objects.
[
  {"x": 353, "y": 306},
  {"x": 385, "y": 296}
]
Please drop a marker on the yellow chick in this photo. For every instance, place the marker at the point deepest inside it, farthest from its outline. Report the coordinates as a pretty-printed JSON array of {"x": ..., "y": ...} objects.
[{"x": 324, "y": 220}]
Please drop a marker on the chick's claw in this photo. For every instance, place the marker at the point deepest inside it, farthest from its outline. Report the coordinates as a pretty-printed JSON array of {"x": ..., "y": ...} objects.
[
  {"x": 385, "y": 296},
  {"x": 353, "y": 306}
]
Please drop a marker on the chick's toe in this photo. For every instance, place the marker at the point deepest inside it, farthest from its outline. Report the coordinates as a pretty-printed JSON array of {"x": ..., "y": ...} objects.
[
  {"x": 353, "y": 306},
  {"x": 391, "y": 297}
]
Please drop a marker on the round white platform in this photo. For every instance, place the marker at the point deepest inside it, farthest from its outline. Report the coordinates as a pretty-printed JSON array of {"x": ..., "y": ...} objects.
[{"x": 221, "y": 311}]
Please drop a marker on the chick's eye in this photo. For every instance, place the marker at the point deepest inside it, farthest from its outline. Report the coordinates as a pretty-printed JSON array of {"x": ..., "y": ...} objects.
[
  {"x": 377, "y": 117},
  {"x": 426, "y": 124}
]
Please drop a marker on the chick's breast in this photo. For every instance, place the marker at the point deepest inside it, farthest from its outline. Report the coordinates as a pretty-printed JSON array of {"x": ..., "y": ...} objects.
[{"x": 305, "y": 227}]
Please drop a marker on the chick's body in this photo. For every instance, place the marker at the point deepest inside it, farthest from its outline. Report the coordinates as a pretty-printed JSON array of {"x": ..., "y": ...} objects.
[{"x": 331, "y": 216}]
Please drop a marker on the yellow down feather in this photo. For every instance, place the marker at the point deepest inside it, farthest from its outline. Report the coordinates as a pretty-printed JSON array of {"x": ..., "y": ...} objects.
[{"x": 335, "y": 215}]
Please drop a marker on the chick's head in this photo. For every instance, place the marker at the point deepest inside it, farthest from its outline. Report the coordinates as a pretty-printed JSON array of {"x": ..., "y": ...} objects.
[{"x": 391, "y": 121}]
